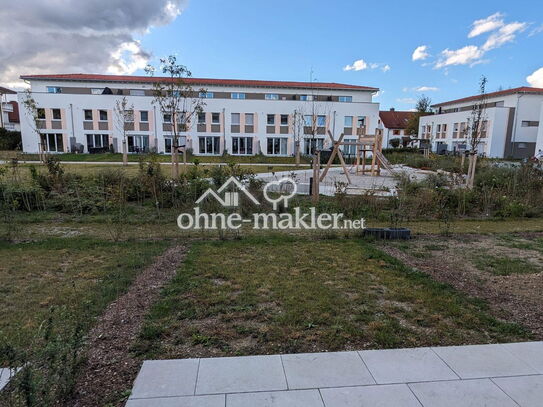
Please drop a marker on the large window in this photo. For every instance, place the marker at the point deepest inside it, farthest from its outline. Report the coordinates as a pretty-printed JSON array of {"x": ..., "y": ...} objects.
[
  {"x": 455, "y": 130},
  {"x": 138, "y": 143},
  {"x": 310, "y": 145},
  {"x": 242, "y": 145},
  {"x": 53, "y": 142},
  {"x": 209, "y": 145},
  {"x": 277, "y": 146},
  {"x": 271, "y": 96},
  {"x": 237, "y": 95},
  {"x": 97, "y": 141},
  {"x": 349, "y": 150}
]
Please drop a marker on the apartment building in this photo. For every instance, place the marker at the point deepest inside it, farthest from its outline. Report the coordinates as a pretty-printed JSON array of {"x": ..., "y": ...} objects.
[
  {"x": 511, "y": 129},
  {"x": 9, "y": 110},
  {"x": 394, "y": 123},
  {"x": 240, "y": 117}
]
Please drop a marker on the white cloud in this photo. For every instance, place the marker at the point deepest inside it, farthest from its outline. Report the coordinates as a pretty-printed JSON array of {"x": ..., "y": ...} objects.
[
  {"x": 94, "y": 36},
  {"x": 407, "y": 101},
  {"x": 426, "y": 89},
  {"x": 485, "y": 25},
  {"x": 467, "y": 55},
  {"x": 536, "y": 79},
  {"x": 505, "y": 34},
  {"x": 536, "y": 31},
  {"x": 420, "y": 53},
  {"x": 358, "y": 65}
]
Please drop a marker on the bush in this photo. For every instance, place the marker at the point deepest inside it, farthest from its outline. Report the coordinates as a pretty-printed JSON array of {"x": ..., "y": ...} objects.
[{"x": 10, "y": 140}]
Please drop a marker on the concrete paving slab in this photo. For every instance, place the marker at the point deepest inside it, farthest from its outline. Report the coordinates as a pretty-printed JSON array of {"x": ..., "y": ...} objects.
[
  {"x": 391, "y": 395},
  {"x": 318, "y": 370},
  {"x": 461, "y": 393},
  {"x": 240, "y": 374},
  {"x": 292, "y": 398},
  {"x": 406, "y": 365},
  {"x": 527, "y": 391},
  {"x": 166, "y": 378},
  {"x": 478, "y": 361},
  {"x": 529, "y": 352},
  {"x": 5, "y": 375},
  {"x": 187, "y": 401}
]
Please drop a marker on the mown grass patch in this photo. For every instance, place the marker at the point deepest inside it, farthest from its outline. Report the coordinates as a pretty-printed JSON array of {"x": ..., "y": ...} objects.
[
  {"x": 263, "y": 295},
  {"x": 504, "y": 266}
]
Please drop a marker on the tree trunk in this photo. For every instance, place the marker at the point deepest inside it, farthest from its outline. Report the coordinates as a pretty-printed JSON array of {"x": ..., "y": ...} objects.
[
  {"x": 125, "y": 152},
  {"x": 297, "y": 147},
  {"x": 316, "y": 177},
  {"x": 473, "y": 167},
  {"x": 175, "y": 161},
  {"x": 462, "y": 159}
]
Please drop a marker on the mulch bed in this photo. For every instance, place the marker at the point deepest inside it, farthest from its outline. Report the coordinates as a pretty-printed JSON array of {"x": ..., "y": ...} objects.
[{"x": 109, "y": 368}]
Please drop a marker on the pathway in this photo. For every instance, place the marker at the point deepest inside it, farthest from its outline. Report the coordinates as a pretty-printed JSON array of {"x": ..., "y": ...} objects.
[{"x": 503, "y": 375}]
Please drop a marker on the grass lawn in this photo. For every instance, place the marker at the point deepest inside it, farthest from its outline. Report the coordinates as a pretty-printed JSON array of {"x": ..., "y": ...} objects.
[
  {"x": 265, "y": 295},
  {"x": 80, "y": 273}
]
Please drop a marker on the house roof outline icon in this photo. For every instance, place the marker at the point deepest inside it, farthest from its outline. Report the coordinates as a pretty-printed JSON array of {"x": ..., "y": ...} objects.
[{"x": 223, "y": 202}]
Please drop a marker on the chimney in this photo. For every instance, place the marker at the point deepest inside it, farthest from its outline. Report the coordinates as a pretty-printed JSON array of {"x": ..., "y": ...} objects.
[{"x": 392, "y": 109}]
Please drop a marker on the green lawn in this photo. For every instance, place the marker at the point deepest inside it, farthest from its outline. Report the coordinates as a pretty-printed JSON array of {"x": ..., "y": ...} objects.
[
  {"x": 282, "y": 294},
  {"x": 80, "y": 273}
]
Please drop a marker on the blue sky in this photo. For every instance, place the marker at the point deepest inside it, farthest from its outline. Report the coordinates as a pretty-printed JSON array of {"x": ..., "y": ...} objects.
[{"x": 284, "y": 40}]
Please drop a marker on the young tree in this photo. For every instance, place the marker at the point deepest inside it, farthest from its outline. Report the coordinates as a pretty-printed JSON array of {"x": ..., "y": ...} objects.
[
  {"x": 475, "y": 130},
  {"x": 422, "y": 108},
  {"x": 37, "y": 117},
  {"x": 124, "y": 115},
  {"x": 176, "y": 98},
  {"x": 298, "y": 131}
]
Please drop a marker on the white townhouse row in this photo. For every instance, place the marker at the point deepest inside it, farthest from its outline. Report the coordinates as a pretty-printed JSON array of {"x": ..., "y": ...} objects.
[
  {"x": 513, "y": 125},
  {"x": 241, "y": 117}
]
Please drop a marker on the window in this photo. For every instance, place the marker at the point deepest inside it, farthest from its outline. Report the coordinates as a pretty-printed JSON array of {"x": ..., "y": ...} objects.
[
  {"x": 237, "y": 95},
  {"x": 54, "y": 89},
  {"x": 88, "y": 114},
  {"x": 96, "y": 91},
  {"x": 277, "y": 146},
  {"x": 462, "y": 129},
  {"x": 41, "y": 113},
  {"x": 167, "y": 118},
  {"x": 306, "y": 97},
  {"x": 308, "y": 120},
  {"x": 249, "y": 119},
  {"x": 271, "y": 96},
  {"x": 270, "y": 119},
  {"x": 284, "y": 120},
  {"x": 138, "y": 143},
  {"x": 144, "y": 116},
  {"x": 201, "y": 118},
  {"x": 321, "y": 121},
  {"x": 455, "y": 130},
  {"x": 235, "y": 119},
  {"x": 206, "y": 95},
  {"x": 129, "y": 115},
  {"x": 361, "y": 121},
  {"x": 242, "y": 145},
  {"x": 395, "y": 132},
  {"x": 97, "y": 141},
  {"x": 209, "y": 145},
  {"x": 137, "y": 92},
  {"x": 311, "y": 145},
  {"x": 103, "y": 115},
  {"x": 348, "y": 121},
  {"x": 529, "y": 123},
  {"x": 345, "y": 98},
  {"x": 444, "y": 128},
  {"x": 56, "y": 114},
  {"x": 349, "y": 150},
  {"x": 215, "y": 118},
  {"x": 438, "y": 128},
  {"x": 53, "y": 142}
]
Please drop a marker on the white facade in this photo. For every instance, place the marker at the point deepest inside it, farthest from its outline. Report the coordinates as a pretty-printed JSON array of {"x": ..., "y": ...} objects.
[
  {"x": 513, "y": 124},
  {"x": 6, "y": 109},
  {"x": 76, "y": 119}
]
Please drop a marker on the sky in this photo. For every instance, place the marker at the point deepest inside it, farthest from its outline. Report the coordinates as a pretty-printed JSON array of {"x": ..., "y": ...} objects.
[{"x": 406, "y": 49}]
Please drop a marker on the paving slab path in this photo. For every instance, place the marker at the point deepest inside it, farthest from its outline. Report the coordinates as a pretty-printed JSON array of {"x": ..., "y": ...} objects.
[{"x": 496, "y": 375}]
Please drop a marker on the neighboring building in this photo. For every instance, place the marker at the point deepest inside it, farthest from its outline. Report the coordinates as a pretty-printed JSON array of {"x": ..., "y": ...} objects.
[
  {"x": 9, "y": 110},
  {"x": 512, "y": 126},
  {"x": 241, "y": 117},
  {"x": 394, "y": 124}
]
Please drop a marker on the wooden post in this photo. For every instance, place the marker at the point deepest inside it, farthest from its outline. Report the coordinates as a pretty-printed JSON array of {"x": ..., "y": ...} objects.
[{"x": 316, "y": 180}]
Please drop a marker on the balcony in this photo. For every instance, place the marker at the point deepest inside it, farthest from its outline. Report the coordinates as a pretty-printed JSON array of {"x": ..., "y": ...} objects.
[{"x": 7, "y": 107}]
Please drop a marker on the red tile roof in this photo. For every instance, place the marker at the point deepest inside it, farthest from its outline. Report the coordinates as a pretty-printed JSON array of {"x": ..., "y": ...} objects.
[
  {"x": 522, "y": 89},
  {"x": 13, "y": 117},
  {"x": 6, "y": 91},
  {"x": 393, "y": 119},
  {"x": 200, "y": 81}
]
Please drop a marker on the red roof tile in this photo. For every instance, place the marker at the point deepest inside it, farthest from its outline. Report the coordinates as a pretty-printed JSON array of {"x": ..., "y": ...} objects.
[
  {"x": 522, "y": 89},
  {"x": 393, "y": 119},
  {"x": 200, "y": 81}
]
